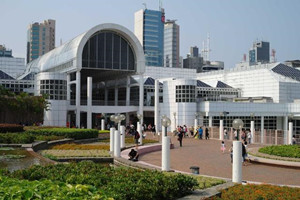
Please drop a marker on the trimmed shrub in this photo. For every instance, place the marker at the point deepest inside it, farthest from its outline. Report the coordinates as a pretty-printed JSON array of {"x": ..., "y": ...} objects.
[
  {"x": 16, "y": 138},
  {"x": 103, "y": 131},
  {"x": 119, "y": 183},
  {"x": 66, "y": 132},
  {"x": 73, "y": 146},
  {"x": 291, "y": 151},
  {"x": 11, "y": 128}
]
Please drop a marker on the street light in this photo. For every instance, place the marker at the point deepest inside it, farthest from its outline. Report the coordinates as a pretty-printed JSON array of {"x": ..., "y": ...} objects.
[
  {"x": 165, "y": 121},
  {"x": 237, "y": 124},
  {"x": 139, "y": 128}
]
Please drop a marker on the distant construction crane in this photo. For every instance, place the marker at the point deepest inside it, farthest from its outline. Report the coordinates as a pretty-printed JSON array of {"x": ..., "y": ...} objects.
[{"x": 206, "y": 49}]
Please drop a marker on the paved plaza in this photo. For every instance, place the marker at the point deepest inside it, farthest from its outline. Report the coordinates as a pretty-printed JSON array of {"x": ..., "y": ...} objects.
[{"x": 207, "y": 155}]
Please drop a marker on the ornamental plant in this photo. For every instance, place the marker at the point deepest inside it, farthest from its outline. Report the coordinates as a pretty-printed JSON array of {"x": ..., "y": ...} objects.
[
  {"x": 66, "y": 132},
  {"x": 119, "y": 183}
]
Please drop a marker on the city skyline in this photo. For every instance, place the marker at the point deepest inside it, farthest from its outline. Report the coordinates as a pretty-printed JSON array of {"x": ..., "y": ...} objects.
[{"x": 233, "y": 25}]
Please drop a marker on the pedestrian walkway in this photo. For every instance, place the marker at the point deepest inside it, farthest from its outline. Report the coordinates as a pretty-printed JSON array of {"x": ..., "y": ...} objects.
[{"x": 212, "y": 162}]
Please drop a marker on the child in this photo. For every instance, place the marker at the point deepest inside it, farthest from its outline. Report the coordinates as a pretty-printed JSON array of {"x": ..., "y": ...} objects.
[{"x": 223, "y": 146}]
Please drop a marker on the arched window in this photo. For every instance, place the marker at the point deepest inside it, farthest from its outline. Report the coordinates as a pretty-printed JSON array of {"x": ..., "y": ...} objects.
[{"x": 108, "y": 50}]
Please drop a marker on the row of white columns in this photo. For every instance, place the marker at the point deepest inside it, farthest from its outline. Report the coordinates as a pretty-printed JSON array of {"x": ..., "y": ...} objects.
[
  {"x": 89, "y": 96},
  {"x": 288, "y": 131}
]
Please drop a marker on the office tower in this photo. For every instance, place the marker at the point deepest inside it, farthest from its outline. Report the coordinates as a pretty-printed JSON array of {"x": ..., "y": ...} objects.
[
  {"x": 10, "y": 67},
  {"x": 149, "y": 29},
  {"x": 171, "y": 44},
  {"x": 260, "y": 52},
  {"x": 40, "y": 39},
  {"x": 194, "y": 51}
]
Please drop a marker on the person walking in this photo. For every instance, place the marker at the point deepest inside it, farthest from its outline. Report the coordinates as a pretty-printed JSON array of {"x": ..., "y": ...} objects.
[
  {"x": 249, "y": 137},
  {"x": 223, "y": 146},
  {"x": 225, "y": 134},
  {"x": 206, "y": 134},
  {"x": 231, "y": 152},
  {"x": 244, "y": 153},
  {"x": 200, "y": 133},
  {"x": 180, "y": 136},
  {"x": 235, "y": 135}
]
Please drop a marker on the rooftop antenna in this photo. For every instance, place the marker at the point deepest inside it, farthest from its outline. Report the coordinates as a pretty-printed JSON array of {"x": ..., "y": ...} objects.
[
  {"x": 145, "y": 5},
  {"x": 208, "y": 46},
  {"x": 160, "y": 5},
  {"x": 273, "y": 55}
]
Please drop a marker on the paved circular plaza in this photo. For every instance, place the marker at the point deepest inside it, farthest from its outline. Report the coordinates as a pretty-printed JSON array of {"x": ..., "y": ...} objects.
[{"x": 207, "y": 155}]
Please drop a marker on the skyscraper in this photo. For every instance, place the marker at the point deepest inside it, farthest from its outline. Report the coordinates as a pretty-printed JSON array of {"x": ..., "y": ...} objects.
[
  {"x": 171, "y": 44},
  {"x": 260, "y": 52},
  {"x": 40, "y": 39},
  {"x": 149, "y": 29}
]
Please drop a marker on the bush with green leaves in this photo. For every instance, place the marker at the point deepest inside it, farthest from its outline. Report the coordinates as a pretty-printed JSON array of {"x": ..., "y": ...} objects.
[
  {"x": 291, "y": 151},
  {"x": 16, "y": 138},
  {"x": 119, "y": 183},
  {"x": 11, "y": 188},
  {"x": 66, "y": 132}
]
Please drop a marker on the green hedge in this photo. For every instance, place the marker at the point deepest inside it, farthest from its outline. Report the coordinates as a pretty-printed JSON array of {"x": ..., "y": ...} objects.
[
  {"x": 104, "y": 131},
  {"x": 66, "y": 132},
  {"x": 291, "y": 151},
  {"x": 11, "y": 128},
  {"x": 16, "y": 138},
  {"x": 119, "y": 183}
]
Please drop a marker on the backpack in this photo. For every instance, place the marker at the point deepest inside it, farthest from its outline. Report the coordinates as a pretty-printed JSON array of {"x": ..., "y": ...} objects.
[{"x": 137, "y": 135}]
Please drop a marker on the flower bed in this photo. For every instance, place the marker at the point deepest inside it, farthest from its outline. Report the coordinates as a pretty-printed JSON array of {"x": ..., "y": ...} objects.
[
  {"x": 259, "y": 192},
  {"x": 291, "y": 151},
  {"x": 130, "y": 140},
  {"x": 52, "y": 153},
  {"x": 118, "y": 183},
  {"x": 73, "y": 146}
]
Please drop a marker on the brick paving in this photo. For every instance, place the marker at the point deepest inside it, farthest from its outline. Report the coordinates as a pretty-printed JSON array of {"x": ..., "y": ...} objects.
[{"x": 207, "y": 155}]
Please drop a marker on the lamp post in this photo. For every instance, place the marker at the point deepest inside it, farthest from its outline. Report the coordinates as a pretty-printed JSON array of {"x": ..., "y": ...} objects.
[
  {"x": 139, "y": 128},
  {"x": 117, "y": 119},
  {"x": 237, "y": 154},
  {"x": 112, "y": 133},
  {"x": 238, "y": 124},
  {"x": 165, "y": 145},
  {"x": 196, "y": 122},
  {"x": 252, "y": 129},
  {"x": 290, "y": 133}
]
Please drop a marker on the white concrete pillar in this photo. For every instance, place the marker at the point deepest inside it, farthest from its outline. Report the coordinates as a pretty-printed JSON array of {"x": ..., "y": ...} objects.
[
  {"x": 252, "y": 130},
  {"x": 262, "y": 128},
  {"x": 116, "y": 96},
  {"x": 195, "y": 125},
  {"x": 285, "y": 129},
  {"x": 117, "y": 138},
  {"x": 128, "y": 91},
  {"x": 68, "y": 88},
  {"x": 111, "y": 139},
  {"x": 141, "y": 97},
  {"x": 139, "y": 129},
  {"x": 122, "y": 133},
  {"x": 221, "y": 130},
  {"x": 102, "y": 124},
  {"x": 127, "y": 119},
  {"x": 156, "y": 106},
  {"x": 89, "y": 101},
  {"x": 237, "y": 162},
  {"x": 165, "y": 161},
  {"x": 290, "y": 136},
  {"x": 78, "y": 97},
  {"x": 210, "y": 121}
]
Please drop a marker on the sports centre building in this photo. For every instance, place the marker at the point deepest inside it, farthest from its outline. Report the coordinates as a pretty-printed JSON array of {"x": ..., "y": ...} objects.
[{"x": 103, "y": 71}]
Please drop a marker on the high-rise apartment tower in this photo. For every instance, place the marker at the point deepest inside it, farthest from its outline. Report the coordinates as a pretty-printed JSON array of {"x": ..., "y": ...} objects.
[
  {"x": 149, "y": 29},
  {"x": 40, "y": 39},
  {"x": 171, "y": 44}
]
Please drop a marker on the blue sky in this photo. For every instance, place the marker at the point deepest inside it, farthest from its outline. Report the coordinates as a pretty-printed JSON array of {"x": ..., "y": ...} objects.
[{"x": 233, "y": 25}]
